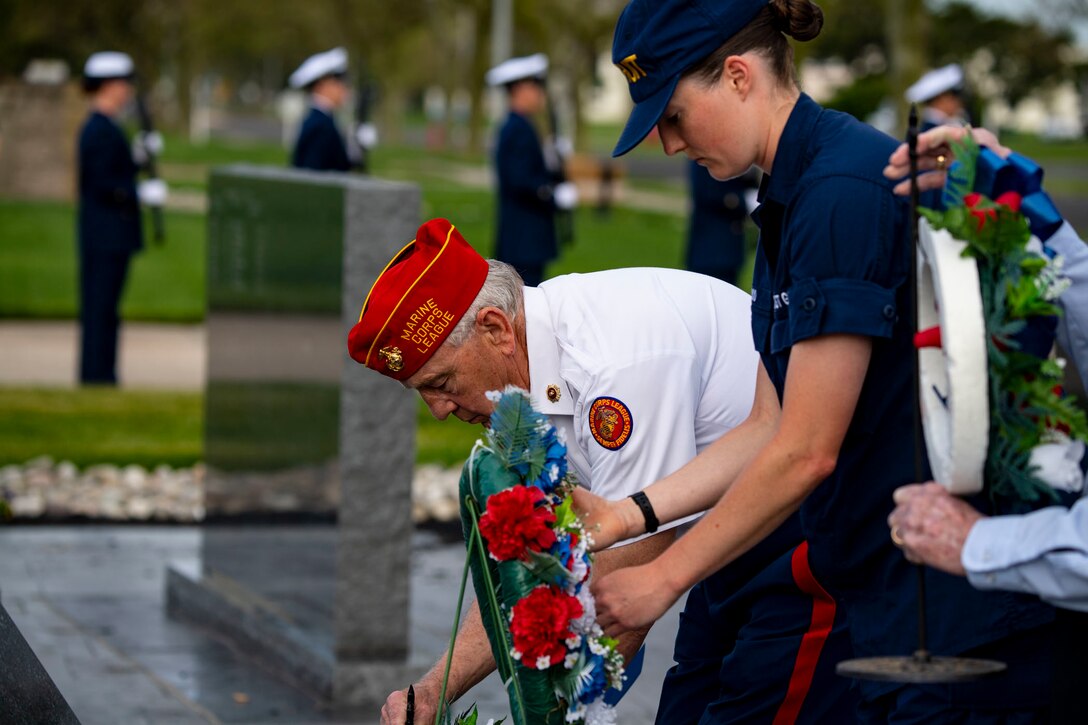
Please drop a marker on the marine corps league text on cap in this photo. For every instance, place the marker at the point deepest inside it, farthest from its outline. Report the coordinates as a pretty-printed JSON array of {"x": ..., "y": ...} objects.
[{"x": 417, "y": 300}]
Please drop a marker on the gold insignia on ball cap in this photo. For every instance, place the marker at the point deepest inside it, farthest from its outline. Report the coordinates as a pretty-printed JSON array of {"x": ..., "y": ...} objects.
[
  {"x": 554, "y": 393},
  {"x": 394, "y": 361}
]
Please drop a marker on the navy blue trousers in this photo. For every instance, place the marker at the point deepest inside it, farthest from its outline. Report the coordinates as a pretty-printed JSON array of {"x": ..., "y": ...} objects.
[
  {"x": 758, "y": 643},
  {"x": 101, "y": 282}
]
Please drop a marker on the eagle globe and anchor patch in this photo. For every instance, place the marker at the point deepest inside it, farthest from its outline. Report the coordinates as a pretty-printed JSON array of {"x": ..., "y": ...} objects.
[{"x": 610, "y": 422}]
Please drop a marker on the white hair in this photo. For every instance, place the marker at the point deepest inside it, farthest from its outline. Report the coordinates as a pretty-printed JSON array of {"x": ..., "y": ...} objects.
[{"x": 502, "y": 289}]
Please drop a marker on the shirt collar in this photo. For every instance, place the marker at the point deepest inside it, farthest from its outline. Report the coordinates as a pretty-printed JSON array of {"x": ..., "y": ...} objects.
[
  {"x": 543, "y": 353},
  {"x": 321, "y": 103},
  {"x": 791, "y": 156}
]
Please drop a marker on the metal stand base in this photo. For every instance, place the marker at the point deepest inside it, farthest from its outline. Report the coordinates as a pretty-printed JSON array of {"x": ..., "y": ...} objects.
[{"x": 921, "y": 667}]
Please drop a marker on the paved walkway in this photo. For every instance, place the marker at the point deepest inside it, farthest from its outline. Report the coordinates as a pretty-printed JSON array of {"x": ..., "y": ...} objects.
[
  {"x": 90, "y": 602},
  {"x": 45, "y": 353}
]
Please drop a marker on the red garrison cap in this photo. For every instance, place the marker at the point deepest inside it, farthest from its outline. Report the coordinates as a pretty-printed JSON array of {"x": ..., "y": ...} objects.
[{"x": 417, "y": 300}]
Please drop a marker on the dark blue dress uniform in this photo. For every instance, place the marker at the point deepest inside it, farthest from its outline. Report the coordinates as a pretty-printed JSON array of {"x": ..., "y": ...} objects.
[
  {"x": 758, "y": 643},
  {"x": 716, "y": 225},
  {"x": 110, "y": 232},
  {"x": 526, "y": 214},
  {"x": 832, "y": 259},
  {"x": 320, "y": 145}
]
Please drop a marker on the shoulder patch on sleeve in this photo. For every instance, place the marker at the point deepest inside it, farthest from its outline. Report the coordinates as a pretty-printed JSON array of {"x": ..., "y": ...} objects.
[{"x": 610, "y": 422}]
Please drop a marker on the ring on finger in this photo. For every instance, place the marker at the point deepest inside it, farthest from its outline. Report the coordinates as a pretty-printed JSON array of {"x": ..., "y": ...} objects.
[
  {"x": 942, "y": 162},
  {"x": 897, "y": 537}
]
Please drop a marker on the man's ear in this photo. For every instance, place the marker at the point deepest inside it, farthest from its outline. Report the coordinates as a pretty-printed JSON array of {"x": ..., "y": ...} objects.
[{"x": 498, "y": 329}]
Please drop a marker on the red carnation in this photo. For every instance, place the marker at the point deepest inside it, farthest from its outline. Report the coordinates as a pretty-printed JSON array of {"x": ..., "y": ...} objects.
[
  {"x": 513, "y": 523},
  {"x": 971, "y": 201},
  {"x": 1009, "y": 199},
  {"x": 541, "y": 624}
]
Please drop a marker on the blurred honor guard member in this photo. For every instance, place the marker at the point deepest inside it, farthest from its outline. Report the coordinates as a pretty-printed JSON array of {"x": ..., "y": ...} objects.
[
  {"x": 109, "y": 213},
  {"x": 719, "y": 211},
  {"x": 940, "y": 92},
  {"x": 320, "y": 145},
  {"x": 529, "y": 193}
]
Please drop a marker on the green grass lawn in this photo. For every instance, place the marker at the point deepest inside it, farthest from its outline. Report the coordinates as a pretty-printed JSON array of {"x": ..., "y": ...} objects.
[
  {"x": 105, "y": 425},
  {"x": 38, "y": 267},
  {"x": 100, "y": 425}
]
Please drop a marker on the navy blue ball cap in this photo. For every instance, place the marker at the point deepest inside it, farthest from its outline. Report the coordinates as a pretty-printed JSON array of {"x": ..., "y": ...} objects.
[{"x": 657, "y": 40}]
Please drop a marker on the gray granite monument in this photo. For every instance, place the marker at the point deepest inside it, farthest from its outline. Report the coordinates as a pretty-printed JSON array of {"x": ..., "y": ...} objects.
[{"x": 297, "y": 433}]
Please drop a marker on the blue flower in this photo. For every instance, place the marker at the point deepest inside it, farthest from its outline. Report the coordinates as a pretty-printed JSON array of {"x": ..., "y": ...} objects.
[
  {"x": 555, "y": 462},
  {"x": 592, "y": 679}
]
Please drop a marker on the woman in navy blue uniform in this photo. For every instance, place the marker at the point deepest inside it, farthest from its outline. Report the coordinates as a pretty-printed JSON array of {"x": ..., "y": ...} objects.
[
  {"x": 320, "y": 146},
  {"x": 830, "y": 304},
  {"x": 529, "y": 192},
  {"x": 110, "y": 231}
]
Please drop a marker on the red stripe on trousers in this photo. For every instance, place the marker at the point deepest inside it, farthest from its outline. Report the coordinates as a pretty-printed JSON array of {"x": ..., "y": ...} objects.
[{"x": 808, "y": 654}]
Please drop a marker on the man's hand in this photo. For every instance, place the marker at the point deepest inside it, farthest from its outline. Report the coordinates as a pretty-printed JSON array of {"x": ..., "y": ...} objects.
[
  {"x": 395, "y": 709},
  {"x": 930, "y": 525},
  {"x": 606, "y": 521},
  {"x": 935, "y": 155},
  {"x": 632, "y": 598}
]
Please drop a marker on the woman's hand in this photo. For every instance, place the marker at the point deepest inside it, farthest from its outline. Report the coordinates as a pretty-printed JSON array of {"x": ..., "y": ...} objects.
[
  {"x": 632, "y": 598},
  {"x": 604, "y": 520},
  {"x": 935, "y": 155}
]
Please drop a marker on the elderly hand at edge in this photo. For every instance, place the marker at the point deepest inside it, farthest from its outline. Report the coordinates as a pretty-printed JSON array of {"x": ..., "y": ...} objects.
[
  {"x": 933, "y": 144},
  {"x": 931, "y": 525}
]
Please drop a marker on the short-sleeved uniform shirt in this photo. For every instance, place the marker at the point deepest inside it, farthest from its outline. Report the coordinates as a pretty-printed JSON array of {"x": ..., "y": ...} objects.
[
  {"x": 646, "y": 367},
  {"x": 832, "y": 259}
]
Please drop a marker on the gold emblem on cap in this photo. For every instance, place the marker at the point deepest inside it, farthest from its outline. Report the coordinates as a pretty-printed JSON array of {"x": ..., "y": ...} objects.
[
  {"x": 554, "y": 393},
  {"x": 630, "y": 68},
  {"x": 394, "y": 361}
]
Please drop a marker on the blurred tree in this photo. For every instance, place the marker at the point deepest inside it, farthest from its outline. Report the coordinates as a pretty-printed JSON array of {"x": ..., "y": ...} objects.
[
  {"x": 1027, "y": 56},
  {"x": 913, "y": 35},
  {"x": 412, "y": 44}
]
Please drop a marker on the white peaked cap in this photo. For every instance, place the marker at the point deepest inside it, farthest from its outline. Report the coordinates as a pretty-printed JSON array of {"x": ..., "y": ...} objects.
[
  {"x": 316, "y": 67},
  {"x": 936, "y": 82},
  {"x": 108, "y": 64},
  {"x": 516, "y": 69}
]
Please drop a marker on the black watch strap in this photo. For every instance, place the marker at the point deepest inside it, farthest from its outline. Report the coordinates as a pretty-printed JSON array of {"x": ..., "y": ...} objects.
[{"x": 647, "y": 511}]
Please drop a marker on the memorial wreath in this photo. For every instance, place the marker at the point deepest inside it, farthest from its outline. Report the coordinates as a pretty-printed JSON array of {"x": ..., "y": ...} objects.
[
  {"x": 996, "y": 418},
  {"x": 530, "y": 562}
]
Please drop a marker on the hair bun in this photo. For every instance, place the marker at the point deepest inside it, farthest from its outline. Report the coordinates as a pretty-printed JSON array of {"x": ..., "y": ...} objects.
[{"x": 800, "y": 19}]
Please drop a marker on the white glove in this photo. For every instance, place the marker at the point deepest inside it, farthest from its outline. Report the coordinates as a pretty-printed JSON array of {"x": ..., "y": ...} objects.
[
  {"x": 750, "y": 200},
  {"x": 367, "y": 135},
  {"x": 565, "y": 195},
  {"x": 146, "y": 145},
  {"x": 152, "y": 192}
]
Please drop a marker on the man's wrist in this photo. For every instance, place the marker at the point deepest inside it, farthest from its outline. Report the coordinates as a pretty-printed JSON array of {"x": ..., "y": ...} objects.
[
  {"x": 649, "y": 516},
  {"x": 634, "y": 524}
]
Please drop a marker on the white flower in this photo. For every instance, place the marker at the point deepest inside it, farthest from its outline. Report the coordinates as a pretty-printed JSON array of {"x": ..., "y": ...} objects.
[
  {"x": 575, "y": 712},
  {"x": 543, "y": 662},
  {"x": 599, "y": 713}
]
